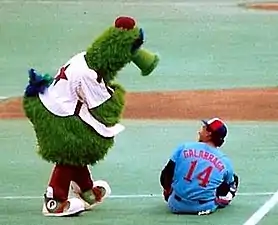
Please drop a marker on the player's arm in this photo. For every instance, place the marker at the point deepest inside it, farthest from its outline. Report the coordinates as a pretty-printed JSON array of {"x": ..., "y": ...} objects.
[
  {"x": 227, "y": 190},
  {"x": 231, "y": 179},
  {"x": 166, "y": 178},
  {"x": 167, "y": 174},
  {"x": 234, "y": 185}
]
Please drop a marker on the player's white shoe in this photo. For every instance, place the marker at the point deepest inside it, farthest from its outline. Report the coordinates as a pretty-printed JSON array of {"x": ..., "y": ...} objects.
[
  {"x": 71, "y": 207},
  {"x": 94, "y": 197}
]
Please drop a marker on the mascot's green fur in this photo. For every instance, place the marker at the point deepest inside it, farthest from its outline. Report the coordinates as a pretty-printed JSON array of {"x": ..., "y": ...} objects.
[
  {"x": 76, "y": 114},
  {"x": 67, "y": 140}
]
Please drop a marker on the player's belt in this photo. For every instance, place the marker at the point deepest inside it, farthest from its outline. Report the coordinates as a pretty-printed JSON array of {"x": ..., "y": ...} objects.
[{"x": 178, "y": 198}]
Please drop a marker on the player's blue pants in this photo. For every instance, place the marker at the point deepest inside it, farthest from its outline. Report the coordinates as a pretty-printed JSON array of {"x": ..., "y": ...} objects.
[{"x": 178, "y": 205}]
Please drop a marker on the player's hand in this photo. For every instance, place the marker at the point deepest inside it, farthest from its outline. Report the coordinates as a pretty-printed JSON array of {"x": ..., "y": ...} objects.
[
  {"x": 166, "y": 194},
  {"x": 223, "y": 201}
]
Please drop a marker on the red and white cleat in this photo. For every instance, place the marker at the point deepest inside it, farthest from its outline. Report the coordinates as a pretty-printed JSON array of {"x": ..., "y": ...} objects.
[
  {"x": 93, "y": 197},
  {"x": 71, "y": 207}
]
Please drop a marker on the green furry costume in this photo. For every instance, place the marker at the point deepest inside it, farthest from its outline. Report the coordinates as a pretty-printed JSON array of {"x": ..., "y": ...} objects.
[{"x": 68, "y": 141}]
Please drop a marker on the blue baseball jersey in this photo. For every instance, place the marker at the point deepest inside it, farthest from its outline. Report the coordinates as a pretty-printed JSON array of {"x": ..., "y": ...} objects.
[{"x": 199, "y": 170}]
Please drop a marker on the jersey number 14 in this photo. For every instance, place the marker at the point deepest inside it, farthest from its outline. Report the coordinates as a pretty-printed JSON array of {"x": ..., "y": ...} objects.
[{"x": 202, "y": 177}]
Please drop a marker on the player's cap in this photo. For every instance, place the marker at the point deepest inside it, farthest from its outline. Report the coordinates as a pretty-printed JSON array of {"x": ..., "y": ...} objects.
[{"x": 217, "y": 127}]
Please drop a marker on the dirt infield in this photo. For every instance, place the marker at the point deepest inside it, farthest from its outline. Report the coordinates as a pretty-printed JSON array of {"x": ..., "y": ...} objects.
[
  {"x": 272, "y": 6},
  {"x": 237, "y": 104}
]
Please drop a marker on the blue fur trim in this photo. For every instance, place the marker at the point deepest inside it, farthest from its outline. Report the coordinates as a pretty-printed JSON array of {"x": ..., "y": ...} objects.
[
  {"x": 138, "y": 42},
  {"x": 37, "y": 83}
]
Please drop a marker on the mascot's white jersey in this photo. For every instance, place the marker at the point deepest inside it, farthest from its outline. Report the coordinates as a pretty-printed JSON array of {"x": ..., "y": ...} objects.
[{"x": 75, "y": 90}]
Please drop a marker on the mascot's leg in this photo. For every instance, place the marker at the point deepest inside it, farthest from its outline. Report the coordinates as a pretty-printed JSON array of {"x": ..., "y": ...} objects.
[
  {"x": 56, "y": 201},
  {"x": 91, "y": 192}
]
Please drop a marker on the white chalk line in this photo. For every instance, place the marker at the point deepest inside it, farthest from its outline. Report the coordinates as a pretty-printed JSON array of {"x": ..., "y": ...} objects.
[
  {"x": 3, "y": 97},
  {"x": 263, "y": 210},
  {"x": 134, "y": 196}
]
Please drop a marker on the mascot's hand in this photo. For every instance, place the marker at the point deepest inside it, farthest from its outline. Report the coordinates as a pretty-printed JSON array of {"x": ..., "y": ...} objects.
[{"x": 117, "y": 87}]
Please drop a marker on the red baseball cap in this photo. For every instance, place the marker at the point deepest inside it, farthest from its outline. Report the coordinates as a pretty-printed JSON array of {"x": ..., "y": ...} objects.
[{"x": 217, "y": 127}]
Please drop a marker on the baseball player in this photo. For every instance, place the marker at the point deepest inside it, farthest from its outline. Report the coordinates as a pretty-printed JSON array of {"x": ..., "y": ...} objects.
[{"x": 199, "y": 178}]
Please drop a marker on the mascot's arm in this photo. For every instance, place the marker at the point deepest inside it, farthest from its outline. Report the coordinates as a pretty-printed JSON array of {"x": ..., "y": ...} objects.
[
  {"x": 110, "y": 112},
  {"x": 104, "y": 104}
]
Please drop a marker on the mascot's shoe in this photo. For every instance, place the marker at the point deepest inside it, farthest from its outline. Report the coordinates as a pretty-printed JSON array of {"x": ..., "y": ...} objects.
[
  {"x": 71, "y": 207},
  {"x": 93, "y": 197}
]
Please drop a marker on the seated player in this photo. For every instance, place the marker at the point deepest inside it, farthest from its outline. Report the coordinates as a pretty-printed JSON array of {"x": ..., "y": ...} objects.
[{"x": 199, "y": 178}]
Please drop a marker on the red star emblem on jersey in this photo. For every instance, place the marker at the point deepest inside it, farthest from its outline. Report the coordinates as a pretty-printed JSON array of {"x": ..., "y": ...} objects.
[{"x": 62, "y": 75}]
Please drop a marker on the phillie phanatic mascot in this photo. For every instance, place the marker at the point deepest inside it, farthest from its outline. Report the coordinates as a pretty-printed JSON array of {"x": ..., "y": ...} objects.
[{"x": 76, "y": 113}]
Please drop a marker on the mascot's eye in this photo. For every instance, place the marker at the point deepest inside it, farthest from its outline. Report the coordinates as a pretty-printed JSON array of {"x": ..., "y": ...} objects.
[
  {"x": 138, "y": 42},
  {"x": 141, "y": 34}
]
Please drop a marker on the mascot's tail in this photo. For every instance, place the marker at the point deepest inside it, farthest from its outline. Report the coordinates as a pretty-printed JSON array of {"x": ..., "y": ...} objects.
[{"x": 37, "y": 83}]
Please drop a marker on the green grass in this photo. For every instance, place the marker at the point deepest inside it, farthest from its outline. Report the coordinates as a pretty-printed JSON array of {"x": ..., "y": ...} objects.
[
  {"x": 132, "y": 168},
  {"x": 212, "y": 46}
]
